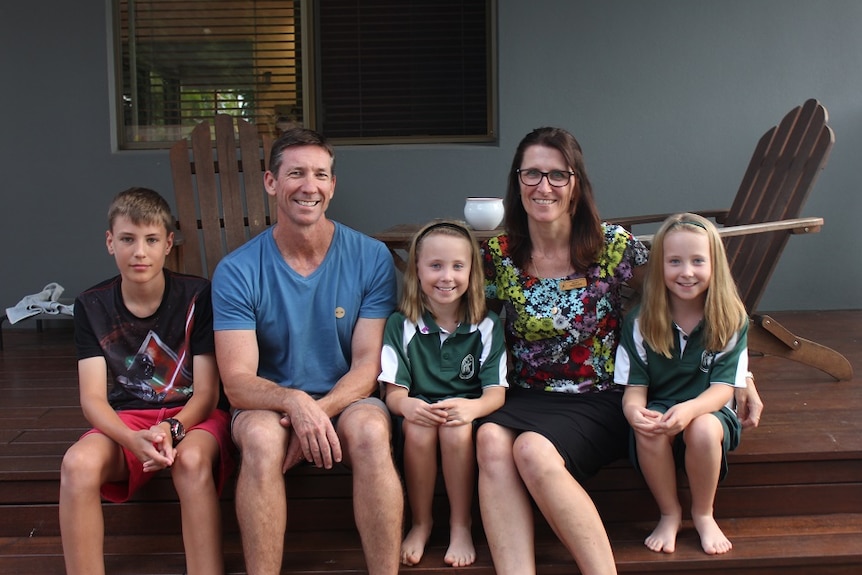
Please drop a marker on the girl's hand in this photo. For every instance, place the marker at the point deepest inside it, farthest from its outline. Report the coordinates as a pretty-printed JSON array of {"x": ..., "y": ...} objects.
[
  {"x": 459, "y": 411},
  {"x": 677, "y": 418},
  {"x": 419, "y": 412},
  {"x": 645, "y": 421}
]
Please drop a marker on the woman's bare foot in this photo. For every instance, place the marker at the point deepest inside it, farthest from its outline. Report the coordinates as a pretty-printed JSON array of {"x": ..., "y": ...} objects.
[
  {"x": 712, "y": 538},
  {"x": 413, "y": 546},
  {"x": 663, "y": 537},
  {"x": 461, "y": 551}
]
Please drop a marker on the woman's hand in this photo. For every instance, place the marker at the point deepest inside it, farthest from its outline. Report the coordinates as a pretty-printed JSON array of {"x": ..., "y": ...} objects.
[{"x": 749, "y": 406}]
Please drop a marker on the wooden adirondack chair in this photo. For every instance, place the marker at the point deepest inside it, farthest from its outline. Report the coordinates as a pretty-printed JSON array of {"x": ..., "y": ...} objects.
[
  {"x": 761, "y": 219},
  {"x": 221, "y": 201}
]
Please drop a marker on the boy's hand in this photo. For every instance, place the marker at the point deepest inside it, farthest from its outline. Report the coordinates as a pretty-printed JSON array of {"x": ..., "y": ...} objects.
[{"x": 154, "y": 448}]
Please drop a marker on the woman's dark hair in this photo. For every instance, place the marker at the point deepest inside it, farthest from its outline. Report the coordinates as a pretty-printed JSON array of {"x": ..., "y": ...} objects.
[{"x": 587, "y": 237}]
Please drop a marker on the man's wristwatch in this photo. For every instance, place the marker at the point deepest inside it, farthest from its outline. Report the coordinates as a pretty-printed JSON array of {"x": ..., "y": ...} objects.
[{"x": 178, "y": 432}]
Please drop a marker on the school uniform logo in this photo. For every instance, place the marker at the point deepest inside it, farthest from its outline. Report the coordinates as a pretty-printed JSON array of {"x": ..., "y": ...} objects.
[
  {"x": 706, "y": 360},
  {"x": 468, "y": 367}
]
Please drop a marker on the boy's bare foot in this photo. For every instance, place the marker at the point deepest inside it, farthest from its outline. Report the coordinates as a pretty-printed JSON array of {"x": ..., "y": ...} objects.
[
  {"x": 461, "y": 551},
  {"x": 663, "y": 537},
  {"x": 413, "y": 546},
  {"x": 712, "y": 538}
]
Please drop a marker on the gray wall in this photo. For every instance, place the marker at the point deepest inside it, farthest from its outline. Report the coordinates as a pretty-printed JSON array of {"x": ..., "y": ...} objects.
[{"x": 667, "y": 97}]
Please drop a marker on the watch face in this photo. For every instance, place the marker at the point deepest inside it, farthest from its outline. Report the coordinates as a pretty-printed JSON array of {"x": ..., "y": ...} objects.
[{"x": 177, "y": 431}]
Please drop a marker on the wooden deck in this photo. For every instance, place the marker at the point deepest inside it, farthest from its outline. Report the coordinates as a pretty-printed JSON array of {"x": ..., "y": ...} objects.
[{"x": 792, "y": 502}]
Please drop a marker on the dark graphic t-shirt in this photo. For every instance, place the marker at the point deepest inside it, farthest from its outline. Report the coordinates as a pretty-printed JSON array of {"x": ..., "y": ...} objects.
[{"x": 149, "y": 359}]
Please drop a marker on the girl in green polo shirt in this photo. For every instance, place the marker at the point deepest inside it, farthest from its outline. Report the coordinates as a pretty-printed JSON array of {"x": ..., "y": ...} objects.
[
  {"x": 444, "y": 366},
  {"x": 682, "y": 353}
]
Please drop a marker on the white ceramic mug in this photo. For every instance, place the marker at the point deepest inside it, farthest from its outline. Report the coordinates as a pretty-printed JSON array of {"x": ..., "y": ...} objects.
[{"x": 483, "y": 213}]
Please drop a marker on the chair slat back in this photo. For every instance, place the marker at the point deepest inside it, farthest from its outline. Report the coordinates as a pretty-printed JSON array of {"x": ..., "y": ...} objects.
[
  {"x": 780, "y": 176},
  {"x": 220, "y": 197}
]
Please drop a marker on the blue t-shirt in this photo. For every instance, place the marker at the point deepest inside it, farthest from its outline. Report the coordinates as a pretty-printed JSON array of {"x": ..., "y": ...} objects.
[{"x": 304, "y": 325}]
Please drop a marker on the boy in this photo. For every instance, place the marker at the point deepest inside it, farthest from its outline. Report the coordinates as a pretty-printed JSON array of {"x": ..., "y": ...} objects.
[{"x": 149, "y": 385}]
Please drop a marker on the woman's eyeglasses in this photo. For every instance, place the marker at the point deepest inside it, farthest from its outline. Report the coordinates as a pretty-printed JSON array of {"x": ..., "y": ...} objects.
[{"x": 533, "y": 177}]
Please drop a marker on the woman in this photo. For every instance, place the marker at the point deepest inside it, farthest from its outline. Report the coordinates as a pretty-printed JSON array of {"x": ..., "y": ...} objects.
[{"x": 558, "y": 272}]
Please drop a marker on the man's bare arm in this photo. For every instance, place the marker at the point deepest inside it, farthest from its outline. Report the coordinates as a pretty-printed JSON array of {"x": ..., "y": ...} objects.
[
  {"x": 238, "y": 358},
  {"x": 361, "y": 379}
]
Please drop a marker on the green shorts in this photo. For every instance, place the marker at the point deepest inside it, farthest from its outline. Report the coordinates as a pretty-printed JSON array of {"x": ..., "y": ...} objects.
[{"x": 729, "y": 422}]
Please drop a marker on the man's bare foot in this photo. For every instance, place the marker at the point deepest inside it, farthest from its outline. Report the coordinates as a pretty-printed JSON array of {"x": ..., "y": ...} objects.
[
  {"x": 461, "y": 551},
  {"x": 712, "y": 538},
  {"x": 413, "y": 546},
  {"x": 663, "y": 537}
]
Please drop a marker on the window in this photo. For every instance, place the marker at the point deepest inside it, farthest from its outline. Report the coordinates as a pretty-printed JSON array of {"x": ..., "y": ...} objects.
[{"x": 360, "y": 71}]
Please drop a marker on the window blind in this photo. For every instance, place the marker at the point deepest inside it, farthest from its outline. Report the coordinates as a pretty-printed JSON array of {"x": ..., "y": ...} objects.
[
  {"x": 184, "y": 61},
  {"x": 396, "y": 68},
  {"x": 376, "y": 70}
]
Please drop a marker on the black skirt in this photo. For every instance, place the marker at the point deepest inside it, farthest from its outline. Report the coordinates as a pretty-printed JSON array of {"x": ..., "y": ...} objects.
[{"x": 589, "y": 430}]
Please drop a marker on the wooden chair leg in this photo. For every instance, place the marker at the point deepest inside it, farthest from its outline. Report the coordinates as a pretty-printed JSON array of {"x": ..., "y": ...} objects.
[{"x": 767, "y": 336}]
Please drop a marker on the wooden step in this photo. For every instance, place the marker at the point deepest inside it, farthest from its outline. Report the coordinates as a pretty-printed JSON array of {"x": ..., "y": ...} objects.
[
  {"x": 811, "y": 544},
  {"x": 751, "y": 490}
]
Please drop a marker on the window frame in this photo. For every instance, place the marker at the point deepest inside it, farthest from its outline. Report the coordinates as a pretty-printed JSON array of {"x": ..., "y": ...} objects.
[{"x": 309, "y": 65}]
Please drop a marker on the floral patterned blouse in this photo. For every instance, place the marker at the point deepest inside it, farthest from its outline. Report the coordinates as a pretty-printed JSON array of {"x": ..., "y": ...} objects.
[{"x": 563, "y": 334}]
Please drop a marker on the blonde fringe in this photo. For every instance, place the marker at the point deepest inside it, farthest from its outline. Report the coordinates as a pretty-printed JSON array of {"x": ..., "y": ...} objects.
[{"x": 724, "y": 313}]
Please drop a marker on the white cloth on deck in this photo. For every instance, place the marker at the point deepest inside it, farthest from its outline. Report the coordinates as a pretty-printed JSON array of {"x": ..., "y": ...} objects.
[{"x": 46, "y": 301}]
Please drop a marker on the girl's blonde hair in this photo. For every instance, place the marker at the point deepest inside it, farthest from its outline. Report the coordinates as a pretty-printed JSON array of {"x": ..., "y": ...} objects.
[
  {"x": 413, "y": 302},
  {"x": 723, "y": 312}
]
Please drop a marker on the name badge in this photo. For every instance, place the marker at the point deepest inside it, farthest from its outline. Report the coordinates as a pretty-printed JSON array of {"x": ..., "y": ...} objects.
[{"x": 571, "y": 284}]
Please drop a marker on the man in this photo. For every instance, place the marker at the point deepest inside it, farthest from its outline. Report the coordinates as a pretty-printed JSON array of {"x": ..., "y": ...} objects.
[{"x": 299, "y": 313}]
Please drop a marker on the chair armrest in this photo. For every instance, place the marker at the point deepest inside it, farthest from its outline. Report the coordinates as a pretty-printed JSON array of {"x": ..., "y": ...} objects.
[
  {"x": 792, "y": 226},
  {"x": 179, "y": 239},
  {"x": 629, "y": 221},
  {"x": 174, "y": 260}
]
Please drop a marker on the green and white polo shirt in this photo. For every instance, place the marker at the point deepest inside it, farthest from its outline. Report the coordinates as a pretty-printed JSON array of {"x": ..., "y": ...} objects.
[
  {"x": 688, "y": 372},
  {"x": 433, "y": 364}
]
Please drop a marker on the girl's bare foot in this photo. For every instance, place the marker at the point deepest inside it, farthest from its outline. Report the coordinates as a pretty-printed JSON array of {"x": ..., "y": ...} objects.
[
  {"x": 413, "y": 546},
  {"x": 712, "y": 538},
  {"x": 461, "y": 551},
  {"x": 663, "y": 537}
]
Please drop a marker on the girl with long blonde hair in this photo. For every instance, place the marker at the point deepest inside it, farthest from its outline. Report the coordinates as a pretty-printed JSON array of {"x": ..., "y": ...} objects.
[
  {"x": 444, "y": 366},
  {"x": 682, "y": 353}
]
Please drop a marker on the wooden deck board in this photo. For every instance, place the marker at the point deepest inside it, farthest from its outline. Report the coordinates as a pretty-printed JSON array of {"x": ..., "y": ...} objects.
[
  {"x": 792, "y": 502},
  {"x": 758, "y": 543}
]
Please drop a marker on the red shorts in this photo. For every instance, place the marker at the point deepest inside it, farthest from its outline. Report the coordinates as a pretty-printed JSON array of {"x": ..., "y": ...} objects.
[{"x": 217, "y": 424}]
